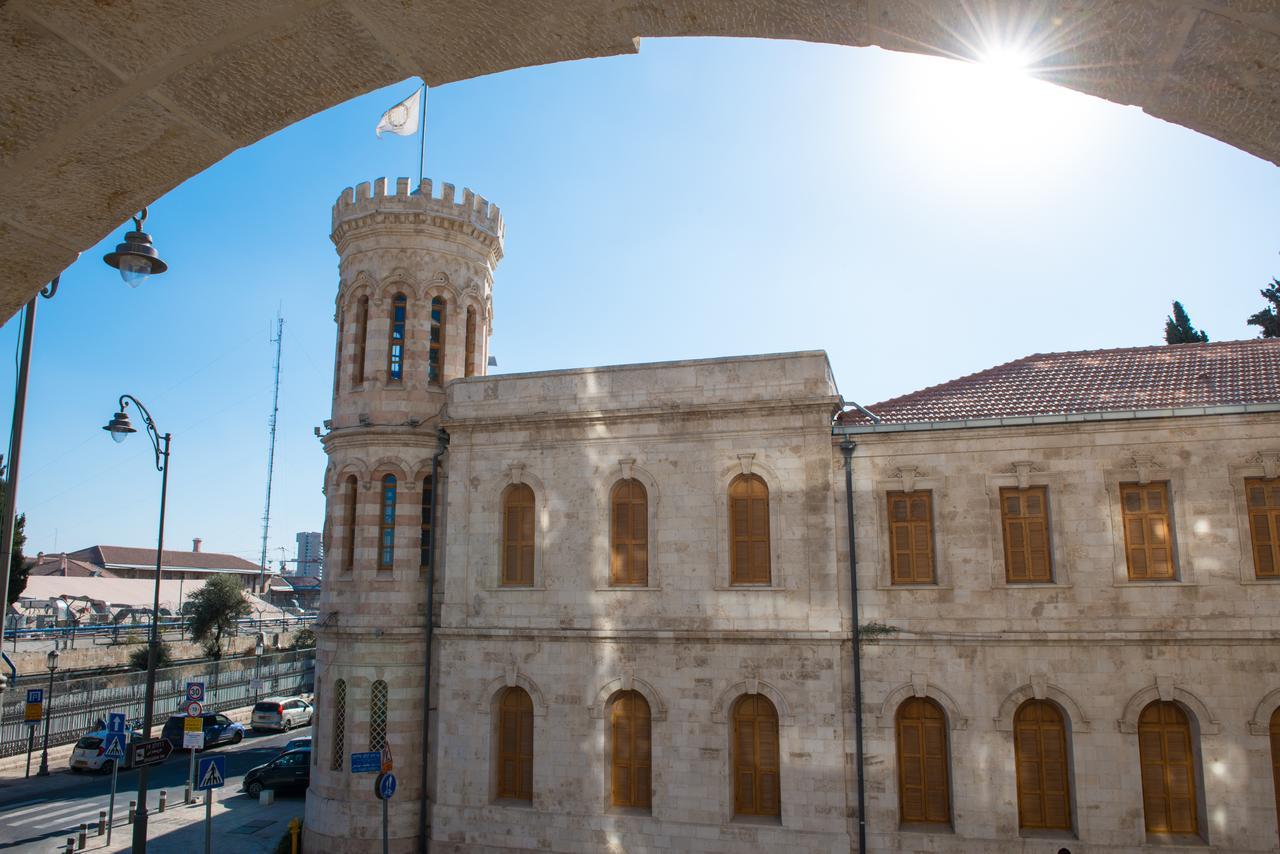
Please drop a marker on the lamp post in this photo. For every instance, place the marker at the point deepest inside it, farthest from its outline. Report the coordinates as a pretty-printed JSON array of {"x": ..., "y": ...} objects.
[
  {"x": 259, "y": 647},
  {"x": 120, "y": 427},
  {"x": 52, "y": 664}
]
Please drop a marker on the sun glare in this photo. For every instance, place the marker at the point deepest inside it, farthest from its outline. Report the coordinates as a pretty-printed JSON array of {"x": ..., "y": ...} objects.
[{"x": 1006, "y": 59}]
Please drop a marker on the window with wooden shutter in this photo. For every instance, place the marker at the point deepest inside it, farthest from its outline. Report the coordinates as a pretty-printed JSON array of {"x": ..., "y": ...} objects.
[
  {"x": 1169, "y": 799},
  {"x": 515, "y": 745},
  {"x": 470, "y": 368},
  {"x": 1262, "y": 497},
  {"x": 924, "y": 785},
  {"x": 911, "y": 537},
  {"x": 387, "y": 524},
  {"x": 349, "y": 526},
  {"x": 1024, "y": 515},
  {"x": 629, "y": 533},
  {"x": 629, "y": 725},
  {"x": 1275, "y": 759},
  {"x": 395, "y": 342},
  {"x": 756, "y": 786},
  {"x": 435, "y": 355},
  {"x": 1040, "y": 754},
  {"x": 517, "y": 536},
  {"x": 362, "y": 339},
  {"x": 1148, "y": 531},
  {"x": 749, "y": 561}
]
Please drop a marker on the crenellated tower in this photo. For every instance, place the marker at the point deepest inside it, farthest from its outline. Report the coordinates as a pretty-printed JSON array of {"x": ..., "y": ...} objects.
[{"x": 413, "y": 312}]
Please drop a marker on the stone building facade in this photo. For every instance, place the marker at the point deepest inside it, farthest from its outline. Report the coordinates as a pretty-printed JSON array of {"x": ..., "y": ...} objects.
[{"x": 641, "y": 610}]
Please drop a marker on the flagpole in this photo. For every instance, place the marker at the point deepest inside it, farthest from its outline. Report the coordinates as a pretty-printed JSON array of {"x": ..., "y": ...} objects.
[{"x": 422, "y": 131}]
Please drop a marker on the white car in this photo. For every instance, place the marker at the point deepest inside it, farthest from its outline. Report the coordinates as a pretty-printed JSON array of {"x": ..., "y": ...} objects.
[
  {"x": 90, "y": 751},
  {"x": 282, "y": 713}
]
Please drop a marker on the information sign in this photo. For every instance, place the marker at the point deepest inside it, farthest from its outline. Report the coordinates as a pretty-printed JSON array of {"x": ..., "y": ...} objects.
[
  {"x": 212, "y": 773},
  {"x": 193, "y": 724},
  {"x": 366, "y": 763},
  {"x": 193, "y": 741},
  {"x": 35, "y": 705},
  {"x": 151, "y": 751}
]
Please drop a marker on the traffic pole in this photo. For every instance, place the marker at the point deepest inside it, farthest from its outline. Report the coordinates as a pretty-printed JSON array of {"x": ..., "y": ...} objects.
[
  {"x": 191, "y": 779},
  {"x": 31, "y": 745},
  {"x": 384, "y": 826},
  {"x": 111, "y": 804},
  {"x": 208, "y": 821}
]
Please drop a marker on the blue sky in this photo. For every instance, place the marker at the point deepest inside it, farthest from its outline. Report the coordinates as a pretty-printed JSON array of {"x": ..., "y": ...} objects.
[{"x": 916, "y": 218}]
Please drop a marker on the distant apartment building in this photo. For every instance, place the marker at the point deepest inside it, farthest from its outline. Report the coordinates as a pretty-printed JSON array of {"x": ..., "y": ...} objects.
[{"x": 310, "y": 554}]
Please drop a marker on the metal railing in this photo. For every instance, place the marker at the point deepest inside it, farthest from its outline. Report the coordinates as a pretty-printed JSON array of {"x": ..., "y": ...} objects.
[
  {"x": 120, "y": 632},
  {"x": 79, "y": 703}
]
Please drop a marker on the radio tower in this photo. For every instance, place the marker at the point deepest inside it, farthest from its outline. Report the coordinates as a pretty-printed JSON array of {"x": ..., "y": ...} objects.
[{"x": 271, "y": 458}]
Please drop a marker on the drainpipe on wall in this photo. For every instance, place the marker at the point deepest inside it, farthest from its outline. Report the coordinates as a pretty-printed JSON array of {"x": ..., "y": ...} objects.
[
  {"x": 846, "y": 448},
  {"x": 424, "y": 828}
]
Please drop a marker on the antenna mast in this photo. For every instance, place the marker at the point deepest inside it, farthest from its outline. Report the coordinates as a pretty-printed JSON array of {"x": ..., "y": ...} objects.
[{"x": 271, "y": 456}]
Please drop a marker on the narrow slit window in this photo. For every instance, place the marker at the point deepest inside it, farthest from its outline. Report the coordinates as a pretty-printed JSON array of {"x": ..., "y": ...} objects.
[
  {"x": 1263, "y": 502},
  {"x": 387, "y": 524},
  {"x": 435, "y": 356},
  {"x": 378, "y": 716},
  {"x": 427, "y": 523},
  {"x": 337, "y": 359},
  {"x": 395, "y": 347},
  {"x": 339, "y": 723},
  {"x": 362, "y": 338},
  {"x": 1024, "y": 516},
  {"x": 349, "y": 526},
  {"x": 471, "y": 341},
  {"x": 1148, "y": 531}
]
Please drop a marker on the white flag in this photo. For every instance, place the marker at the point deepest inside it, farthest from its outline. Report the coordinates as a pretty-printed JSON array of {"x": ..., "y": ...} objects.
[{"x": 402, "y": 119}]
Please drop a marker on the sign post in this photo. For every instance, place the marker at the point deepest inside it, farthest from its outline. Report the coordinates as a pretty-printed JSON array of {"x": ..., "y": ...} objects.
[
  {"x": 384, "y": 787},
  {"x": 212, "y": 775},
  {"x": 33, "y": 713},
  {"x": 115, "y": 752},
  {"x": 193, "y": 732}
]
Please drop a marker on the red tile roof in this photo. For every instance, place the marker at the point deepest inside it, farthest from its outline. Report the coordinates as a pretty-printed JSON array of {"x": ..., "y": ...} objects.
[
  {"x": 1133, "y": 378},
  {"x": 129, "y": 556},
  {"x": 60, "y": 564}
]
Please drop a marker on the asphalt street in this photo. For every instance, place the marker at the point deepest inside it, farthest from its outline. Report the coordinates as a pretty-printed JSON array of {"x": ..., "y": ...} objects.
[{"x": 53, "y": 807}]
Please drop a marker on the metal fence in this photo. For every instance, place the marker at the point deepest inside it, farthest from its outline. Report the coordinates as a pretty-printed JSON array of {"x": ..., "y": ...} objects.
[{"x": 78, "y": 703}]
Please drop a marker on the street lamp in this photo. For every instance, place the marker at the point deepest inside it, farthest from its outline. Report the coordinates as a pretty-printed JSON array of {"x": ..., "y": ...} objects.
[
  {"x": 136, "y": 258},
  {"x": 51, "y": 661},
  {"x": 259, "y": 647},
  {"x": 120, "y": 427}
]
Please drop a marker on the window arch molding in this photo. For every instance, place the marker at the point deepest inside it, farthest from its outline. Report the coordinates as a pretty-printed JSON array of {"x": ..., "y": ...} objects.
[
  {"x": 439, "y": 285},
  {"x": 512, "y": 475},
  {"x": 626, "y": 469},
  {"x": 361, "y": 285},
  {"x": 1042, "y": 691},
  {"x": 1261, "y": 723},
  {"x": 721, "y": 711},
  {"x": 749, "y": 464},
  {"x": 919, "y": 686},
  {"x": 492, "y": 693},
  {"x": 598, "y": 708},
  {"x": 398, "y": 280},
  {"x": 354, "y": 468},
  {"x": 1202, "y": 720},
  {"x": 392, "y": 465}
]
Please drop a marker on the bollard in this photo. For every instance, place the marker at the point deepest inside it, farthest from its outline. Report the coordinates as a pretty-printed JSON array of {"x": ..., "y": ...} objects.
[
  {"x": 133, "y": 808},
  {"x": 80, "y": 837},
  {"x": 186, "y": 794},
  {"x": 71, "y": 845},
  {"x": 164, "y": 799},
  {"x": 102, "y": 822},
  {"x": 294, "y": 827}
]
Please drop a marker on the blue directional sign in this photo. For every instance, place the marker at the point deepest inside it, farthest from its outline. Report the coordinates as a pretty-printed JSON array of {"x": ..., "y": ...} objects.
[
  {"x": 386, "y": 786},
  {"x": 115, "y": 722},
  {"x": 212, "y": 773},
  {"x": 115, "y": 745},
  {"x": 195, "y": 692},
  {"x": 35, "y": 695},
  {"x": 366, "y": 763}
]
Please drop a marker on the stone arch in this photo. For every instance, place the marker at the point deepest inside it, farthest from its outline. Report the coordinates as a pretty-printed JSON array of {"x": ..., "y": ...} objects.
[
  {"x": 1201, "y": 717},
  {"x": 359, "y": 468},
  {"x": 513, "y": 678},
  {"x": 440, "y": 285},
  {"x": 392, "y": 465},
  {"x": 361, "y": 285},
  {"x": 1261, "y": 722},
  {"x": 920, "y": 686},
  {"x": 398, "y": 284},
  {"x": 730, "y": 695},
  {"x": 422, "y": 468},
  {"x": 599, "y": 706},
  {"x": 1044, "y": 691}
]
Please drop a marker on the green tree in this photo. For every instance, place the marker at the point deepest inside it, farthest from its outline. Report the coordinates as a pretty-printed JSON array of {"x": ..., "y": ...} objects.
[
  {"x": 138, "y": 658},
  {"x": 18, "y": 565},
  {"x": 213, "y": 612},
  {"x": 1178, "y": 328},
  {"x": 1269, "y": 318}
]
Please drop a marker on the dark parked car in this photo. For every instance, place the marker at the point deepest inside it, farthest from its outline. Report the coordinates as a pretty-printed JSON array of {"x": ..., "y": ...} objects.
[
  {"x": 218, "y": 729},
  {"x": 290, "y": 770}
]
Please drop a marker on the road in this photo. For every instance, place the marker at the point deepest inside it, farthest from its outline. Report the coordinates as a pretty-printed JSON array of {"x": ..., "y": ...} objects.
[{"x": 31, "y": 810}]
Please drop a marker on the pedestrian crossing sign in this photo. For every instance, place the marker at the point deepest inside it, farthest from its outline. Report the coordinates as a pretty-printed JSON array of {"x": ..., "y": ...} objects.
[
  {"x": 115, "y": 746},
  {"x": 212, "y": 773}
]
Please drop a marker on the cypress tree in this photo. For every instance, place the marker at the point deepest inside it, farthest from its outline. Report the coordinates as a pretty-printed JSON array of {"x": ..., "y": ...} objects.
[
  {"x": 1269, "y": 318},
  {"x": 1178, "y": 328}
]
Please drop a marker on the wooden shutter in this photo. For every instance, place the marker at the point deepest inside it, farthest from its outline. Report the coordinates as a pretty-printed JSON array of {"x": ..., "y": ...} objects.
[
  {"x": 632, "y": 751},
  {"x": 1275, "y": 759},
  {"x": 749, "y": 560},
  {"x": 756, "y": 784},
  {"x": 1263, "y": 500},
  {"x": 629, "y": 534},
  {"x": 1148, "y": 532},
  {"x": 1168, "y": 769},
  {"x": 1024, "y": 515},
  {"x": 517, "y": 535},
  {"x": 1040, "y": 752},
  {"x": 924, "y": 786},
  {"x": 515, "y": 745},
  {"x": 911, "y": 537}
]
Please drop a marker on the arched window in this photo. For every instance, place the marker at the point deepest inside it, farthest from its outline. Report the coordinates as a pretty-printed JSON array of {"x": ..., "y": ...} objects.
[
  {"x": 629, "y": 533},
  {"x": 1040, "y": 751},
  {"x": 629, "y": 725},
  {"x": 749, "y": 530},
  {"x": 339, "y": 723},
  {"x": 435, "y": 357},
  {"x": 387, "y": 524},
  {"x": 427, "y": 543},
  {"x": 337, "y": 359},
  {"x": 1169, "y": 798},
  {"x": 1275, "y": 758},
  {"x": 517, "y": 535},
  {"x": 924, "y": 785},
  {"x": 395, "y": 344},
  {"x": 515, "y": 745},
  {"x": 349, "y": 526},
  {"x": 378, "y": 716},
  {"x": 756, "y": 789},
  {"x": 471, "y": 341},
  {"x": 362, "y": 337}
]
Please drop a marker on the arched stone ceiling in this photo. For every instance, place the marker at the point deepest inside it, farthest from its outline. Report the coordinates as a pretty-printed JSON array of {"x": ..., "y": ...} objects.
[{"x": 106, "y": 105}]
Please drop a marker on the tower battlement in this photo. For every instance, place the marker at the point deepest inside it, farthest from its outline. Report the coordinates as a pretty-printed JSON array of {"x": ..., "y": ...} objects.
[{"x": 366, "y": 198}]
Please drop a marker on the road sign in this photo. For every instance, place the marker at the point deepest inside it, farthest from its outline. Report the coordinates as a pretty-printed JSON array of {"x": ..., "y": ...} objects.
[
  {"x": 115, "y": 745},
  {"x": 193, "y": 740},
  {"x": 115, "y": 722},
  {"x": 255, "y": 684},
  {"x": 193, "y": 724},
  {"x": 212, "y": 773},
  {"x": 195, "y": 691},
  {"x": 150, "y": 751},
  {"x": 387, "y": 764},
  {"x": 366, "y": 763},
  {"x": 35, "y": 695},
  {"x": 385, "y": 786},
  {"x": 193, "y": 709},
  {"x": 35, "y": 705}
]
